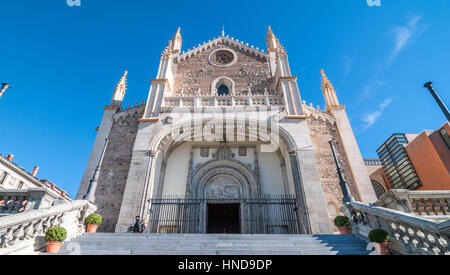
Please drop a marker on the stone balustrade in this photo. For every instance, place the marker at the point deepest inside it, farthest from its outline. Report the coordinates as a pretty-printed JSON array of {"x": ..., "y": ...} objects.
[
  {"x": 427, "y": 204},
  {"x": 223, "y": 101},
  {"x": 23, "y": 233},
  {"x": 409, "y": 234},
  {"x": 17, "y": 201}
]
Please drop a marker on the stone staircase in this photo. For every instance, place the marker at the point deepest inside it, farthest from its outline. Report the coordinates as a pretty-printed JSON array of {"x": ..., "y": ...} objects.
[{"x": 158, "y": 244}]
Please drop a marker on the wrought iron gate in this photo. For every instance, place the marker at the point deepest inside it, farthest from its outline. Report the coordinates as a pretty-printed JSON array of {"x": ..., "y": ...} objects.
[{"x": 266, "y": 214}]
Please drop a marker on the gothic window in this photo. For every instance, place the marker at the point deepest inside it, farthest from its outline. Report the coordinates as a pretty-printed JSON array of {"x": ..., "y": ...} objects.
[
  {"x": 379, "y": 190},
  {"x": 242, "y": 151},
  {"x": 223, "y": 90},
  {"x": 224, "y": 57}
]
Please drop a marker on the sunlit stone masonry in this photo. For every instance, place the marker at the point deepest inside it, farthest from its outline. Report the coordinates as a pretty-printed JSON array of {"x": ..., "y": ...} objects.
[{"x": 225, "y": 144}]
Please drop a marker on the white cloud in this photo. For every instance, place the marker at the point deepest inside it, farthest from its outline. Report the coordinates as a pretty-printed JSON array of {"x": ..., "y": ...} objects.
[
  {"x": 369, "y": 119},
  {"x": 369, "y": 89},
  {"x": 348, "y": 65},
  {"x": 405, "y": 35}
]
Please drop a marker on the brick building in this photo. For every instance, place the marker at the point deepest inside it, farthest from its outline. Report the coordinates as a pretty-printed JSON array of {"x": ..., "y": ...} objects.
[{"x": 414, "y": 161}]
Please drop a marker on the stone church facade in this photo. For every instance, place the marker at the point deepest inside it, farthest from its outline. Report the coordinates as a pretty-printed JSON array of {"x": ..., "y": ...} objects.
[{"x": 224, "y": 144}]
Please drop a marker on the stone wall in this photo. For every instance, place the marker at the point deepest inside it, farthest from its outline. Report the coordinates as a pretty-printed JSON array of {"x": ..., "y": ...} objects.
[
  {"x": 114, "y": 171},
  {"x": 321, "y": 131},
  {"x": 196, "y": 73}
]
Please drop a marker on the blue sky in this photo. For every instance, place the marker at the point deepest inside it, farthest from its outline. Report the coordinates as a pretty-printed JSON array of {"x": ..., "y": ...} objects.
[{"x": 64, "y": 62}]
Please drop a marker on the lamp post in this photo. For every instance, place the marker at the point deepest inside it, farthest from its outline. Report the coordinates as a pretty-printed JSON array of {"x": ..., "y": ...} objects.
[
  {"x": 5, "y": 86},
  {"x": 439, "y": 101},
  {"x": 344, "y": 186},
  {"x": 94, "y": 181}
]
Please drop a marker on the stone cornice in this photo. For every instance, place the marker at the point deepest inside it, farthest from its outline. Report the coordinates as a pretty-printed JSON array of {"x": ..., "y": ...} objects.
[
  {"x": 281, "y": 78},
  {"x": 151, "y": 119},
  {"x": 112, "y": 108},
  {"x": 337, "y": 107},
  {"x": 296, "y": 117},
  {"x": 161, "y": 81},
  {"x": 222, "y": 39}
]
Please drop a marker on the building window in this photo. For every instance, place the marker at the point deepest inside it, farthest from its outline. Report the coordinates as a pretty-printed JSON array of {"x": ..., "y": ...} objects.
[
  {"x": 242, "y": 151},
  {"x": 20, "y": 186},
  {"x": 379, "y": 190},
  {"x": 223, "y": 90},
  {"x": 3, "y": 177},
  {"x": 397, "y": 165},
  {"x": 445, "y": 136},
  {"x": 204, "y": 152}
]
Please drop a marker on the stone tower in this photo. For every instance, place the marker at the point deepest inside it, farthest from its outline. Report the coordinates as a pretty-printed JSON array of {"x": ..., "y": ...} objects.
[{"x": 225, "y": 144}]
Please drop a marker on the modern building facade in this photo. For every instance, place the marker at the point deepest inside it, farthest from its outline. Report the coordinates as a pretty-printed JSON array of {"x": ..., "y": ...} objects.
[
  {"x": 225, "y": 144},
  {"x": 414, "y": 161}
]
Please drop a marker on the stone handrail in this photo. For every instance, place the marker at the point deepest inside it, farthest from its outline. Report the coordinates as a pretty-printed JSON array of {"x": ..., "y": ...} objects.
[
  {"x": 223, "y": 101},
  {"x": 17, "y": 201},
  {"x": 409, "y": 234},
  {"x": 429, "y": 204},
  {"x": 23, "y": 233}
]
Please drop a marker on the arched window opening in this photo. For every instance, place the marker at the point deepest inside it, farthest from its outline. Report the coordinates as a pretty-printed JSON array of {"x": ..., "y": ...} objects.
[
  {"x": 379, "y": 190},
  {"x": 222, "y": 86},
  {"x": 223, "y": 90}
]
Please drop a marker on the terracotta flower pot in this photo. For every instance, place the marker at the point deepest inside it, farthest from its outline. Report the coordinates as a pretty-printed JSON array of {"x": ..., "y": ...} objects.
[
  {"x": 53, "y": 247},
  {"x": 91, "y": 228},
  {"x": 345, "y": 230},
  {"x": 384, "y": 248}
]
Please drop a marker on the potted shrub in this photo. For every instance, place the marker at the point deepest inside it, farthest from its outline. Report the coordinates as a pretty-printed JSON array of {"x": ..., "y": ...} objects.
[
  {"x": 343, "y": 224},
  {"x": 55, "y": 236},
  {"x": 92, "y": 222},
  {"x": 380, "y": 237}
]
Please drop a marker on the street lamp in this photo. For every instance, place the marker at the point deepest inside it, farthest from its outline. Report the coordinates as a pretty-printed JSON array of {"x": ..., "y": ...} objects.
[
  {"x": 344, "y": 186},
  {"x": 90, "y": 195},
  {"x": 5, "y": 86},
  {"x": 439, "y": 101}
]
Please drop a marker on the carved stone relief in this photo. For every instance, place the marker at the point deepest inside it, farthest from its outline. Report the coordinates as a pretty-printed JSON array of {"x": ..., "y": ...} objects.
[{"x": 223, "y": 187}]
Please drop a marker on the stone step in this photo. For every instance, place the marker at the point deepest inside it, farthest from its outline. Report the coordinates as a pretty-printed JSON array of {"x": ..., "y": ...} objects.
[
  {"x": 219, "y": 252},
  {"x": 211, "y": 238},
  {"x": 214, "y": 244}
]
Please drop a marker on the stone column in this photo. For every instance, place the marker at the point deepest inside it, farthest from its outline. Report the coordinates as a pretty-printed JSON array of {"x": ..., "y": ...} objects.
[
  {"x": 307, "y": 174},
  {"x": 354, "y": 157},
  {"x": 139, "y": 177}
]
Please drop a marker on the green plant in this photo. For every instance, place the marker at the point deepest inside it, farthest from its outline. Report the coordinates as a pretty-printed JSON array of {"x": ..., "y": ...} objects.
[
  {"x": 56, "y": 234},
  {"x": 340, "y": 221},
  {"x": 93, "y": 219},
  {"x": 378, "y": 236}
]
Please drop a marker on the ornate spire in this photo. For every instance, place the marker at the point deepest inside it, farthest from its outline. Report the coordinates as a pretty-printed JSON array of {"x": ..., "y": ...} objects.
[
  {"x": 326, "y": 84},
  {"x": 281, "y": 51},
  {"x": 329, "y": 93},
  {"x": 177, "y": 40},
  {"x": 120, "y": 90},
  {"x": 223, "y": 29},
  {"x": 271, "y": 40}
]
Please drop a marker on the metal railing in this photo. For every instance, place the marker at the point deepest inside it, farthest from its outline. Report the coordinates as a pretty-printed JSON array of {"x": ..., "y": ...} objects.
[{"x": 266, "y": 214}]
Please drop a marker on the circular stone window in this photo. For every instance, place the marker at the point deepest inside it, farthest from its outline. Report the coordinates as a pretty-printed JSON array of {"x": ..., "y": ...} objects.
[{"x": 222, "y": 58}]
